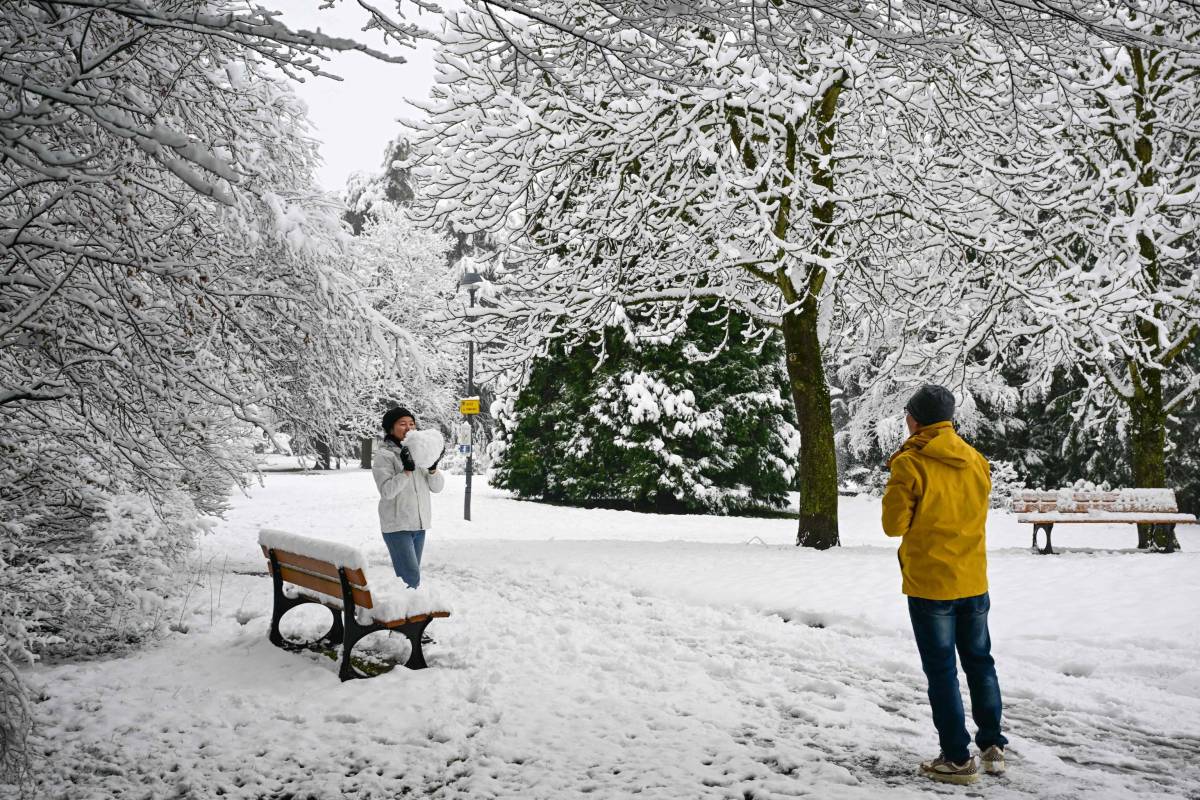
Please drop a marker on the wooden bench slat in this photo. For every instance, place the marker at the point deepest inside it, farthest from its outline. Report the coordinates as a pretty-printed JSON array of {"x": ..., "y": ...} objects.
[
  {"x": 316, "y": 566},
  {"x": 1110, "y": 518},
  {"x": 395, "y": 623},
  {"x": 326, "y": 586}
]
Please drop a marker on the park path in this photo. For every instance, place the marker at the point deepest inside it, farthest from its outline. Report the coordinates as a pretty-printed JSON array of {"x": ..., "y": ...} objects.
[{"x": 554, "y": 683}]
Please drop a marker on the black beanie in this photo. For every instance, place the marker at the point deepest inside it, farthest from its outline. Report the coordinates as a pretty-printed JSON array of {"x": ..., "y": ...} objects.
[
  {"x": 931, "y": 403},
  {"x": 392, "y": 414}
]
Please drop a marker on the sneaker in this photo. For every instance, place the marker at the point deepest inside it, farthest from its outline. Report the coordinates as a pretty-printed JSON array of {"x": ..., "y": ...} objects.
[
  {"x": 948, "y": 772},
  {"x": 993, "y": 760}
]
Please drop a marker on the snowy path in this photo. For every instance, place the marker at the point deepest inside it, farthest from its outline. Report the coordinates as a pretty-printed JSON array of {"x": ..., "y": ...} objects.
[{"x": 624, "y": 669}]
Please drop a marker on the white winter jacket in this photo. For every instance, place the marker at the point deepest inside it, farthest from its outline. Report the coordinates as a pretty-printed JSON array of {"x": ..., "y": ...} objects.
[{"x": 403, "y": 496}]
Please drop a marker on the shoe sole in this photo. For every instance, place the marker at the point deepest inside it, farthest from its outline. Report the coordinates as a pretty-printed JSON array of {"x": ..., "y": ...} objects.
[{"x": 961, "y": 780}]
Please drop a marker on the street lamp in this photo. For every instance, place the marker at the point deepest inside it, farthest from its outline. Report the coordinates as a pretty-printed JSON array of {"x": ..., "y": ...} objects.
[{"x": 470, "y": 281}]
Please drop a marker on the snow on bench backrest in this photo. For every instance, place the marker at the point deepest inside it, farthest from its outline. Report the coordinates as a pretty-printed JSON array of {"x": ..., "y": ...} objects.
[
  {"x": 336, "y": 553},
  {"x": 1073, "y": 501}
]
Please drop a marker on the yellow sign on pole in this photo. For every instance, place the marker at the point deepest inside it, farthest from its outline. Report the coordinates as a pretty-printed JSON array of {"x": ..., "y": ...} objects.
[{"x": 468, "y": 405}]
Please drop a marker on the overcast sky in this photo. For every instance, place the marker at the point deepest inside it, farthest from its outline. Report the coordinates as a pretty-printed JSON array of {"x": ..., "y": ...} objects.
[{"x": 356, "y": 117}]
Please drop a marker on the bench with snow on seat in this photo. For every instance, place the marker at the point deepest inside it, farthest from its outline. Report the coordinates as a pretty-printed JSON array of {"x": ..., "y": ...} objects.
[
  {"x": 306, "y": 570},
  {"x": 1153, "y": 507}
]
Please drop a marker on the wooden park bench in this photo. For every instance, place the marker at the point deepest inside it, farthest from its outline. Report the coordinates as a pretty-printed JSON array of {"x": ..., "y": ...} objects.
[
  {"x": 1153, "y": 507},
  {"x": 331, "y": 574}
]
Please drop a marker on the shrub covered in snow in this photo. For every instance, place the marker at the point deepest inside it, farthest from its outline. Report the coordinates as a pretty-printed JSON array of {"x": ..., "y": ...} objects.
[
  {"x": 89, "y": 552},
  {"x": 174, "y": 279},
  {"x": 1006, "y": 479},
  {"x": 675, "y": 426},
  {"x": 15, "y": 724}
]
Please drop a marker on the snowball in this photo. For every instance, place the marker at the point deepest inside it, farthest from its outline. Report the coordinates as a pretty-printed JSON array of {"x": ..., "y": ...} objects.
[{"x": 426, "y": 446}]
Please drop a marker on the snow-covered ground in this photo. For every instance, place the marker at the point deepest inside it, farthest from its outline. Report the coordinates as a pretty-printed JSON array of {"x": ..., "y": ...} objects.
[{"x": 613, "y": 654}]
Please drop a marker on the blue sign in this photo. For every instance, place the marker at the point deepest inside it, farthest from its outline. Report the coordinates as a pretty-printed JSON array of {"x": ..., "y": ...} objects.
[{"x": 465, "y": 449}]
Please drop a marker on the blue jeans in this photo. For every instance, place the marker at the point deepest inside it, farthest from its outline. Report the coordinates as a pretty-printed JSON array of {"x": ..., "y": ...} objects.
[
  {"x": 940, "y": 627},
  {"x": 405, "y": 548}
]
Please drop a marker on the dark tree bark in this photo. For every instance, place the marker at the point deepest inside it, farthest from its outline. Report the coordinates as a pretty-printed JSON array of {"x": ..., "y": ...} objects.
[
  {"x": 818, "y": 465},
  {"x": 324, "y": 454},
  {"x": 1147, "y": 453}
]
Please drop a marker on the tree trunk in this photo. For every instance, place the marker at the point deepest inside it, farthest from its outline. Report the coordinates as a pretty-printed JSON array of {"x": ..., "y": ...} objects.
[
  {"x": 810, "y": 394},
  {"x": 1147, "y": 412},
  {"x": 324, "y": 455},
  {"x": 1147, "y": 453},
  {"x": 364, "y": 453}
]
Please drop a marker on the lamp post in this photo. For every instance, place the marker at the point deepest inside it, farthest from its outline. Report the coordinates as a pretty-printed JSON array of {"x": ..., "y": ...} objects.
[{"x": 470, "y": 281}]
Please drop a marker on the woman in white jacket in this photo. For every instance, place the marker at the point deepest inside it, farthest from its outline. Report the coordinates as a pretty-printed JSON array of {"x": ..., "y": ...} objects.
[{"x": 404, "y": 489}]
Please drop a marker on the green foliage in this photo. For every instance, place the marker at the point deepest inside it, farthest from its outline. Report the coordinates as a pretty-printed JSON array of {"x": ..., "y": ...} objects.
[{"x": 670, "y": 427}]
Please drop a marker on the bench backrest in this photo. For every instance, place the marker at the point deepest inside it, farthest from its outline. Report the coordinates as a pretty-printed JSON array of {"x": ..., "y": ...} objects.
[
  {"x": 319, "y": 576},
  {"x": 1071, "y": 501}
]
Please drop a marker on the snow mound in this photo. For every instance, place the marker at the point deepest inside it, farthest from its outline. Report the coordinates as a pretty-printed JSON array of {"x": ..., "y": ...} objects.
[
  {"x": 336, "y": 553},
  {"x": 425, "y": 446},
  {"x": 391, "y": 599},
  {"x": 1160, "y": 500},
  {"x": 394, "y": 600}
]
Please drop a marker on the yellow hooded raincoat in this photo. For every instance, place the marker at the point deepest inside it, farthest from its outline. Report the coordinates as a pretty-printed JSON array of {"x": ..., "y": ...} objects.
[{"x": 937, "y": 499}]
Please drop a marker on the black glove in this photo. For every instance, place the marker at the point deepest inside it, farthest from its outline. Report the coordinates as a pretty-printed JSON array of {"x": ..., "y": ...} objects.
[
  {"x": 433, "y": 466},
  {"x": 407, "y": 460}
]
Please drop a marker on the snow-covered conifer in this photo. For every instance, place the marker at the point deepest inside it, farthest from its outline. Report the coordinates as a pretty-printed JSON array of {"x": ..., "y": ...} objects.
[{"x": 697, "y": 422}]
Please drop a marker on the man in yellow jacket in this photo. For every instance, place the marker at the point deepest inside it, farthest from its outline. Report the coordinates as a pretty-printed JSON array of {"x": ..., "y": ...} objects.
[{"x": 937, "y": 500}]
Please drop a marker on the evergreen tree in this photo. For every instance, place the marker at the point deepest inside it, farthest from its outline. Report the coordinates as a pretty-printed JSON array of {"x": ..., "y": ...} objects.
[{"x": 697, "y": 424}]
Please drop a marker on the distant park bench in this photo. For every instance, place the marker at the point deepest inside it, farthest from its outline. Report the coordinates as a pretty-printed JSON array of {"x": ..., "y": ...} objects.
[
  {"x": 1153, "y": 507},
  {"x": 331, "y": 574}
]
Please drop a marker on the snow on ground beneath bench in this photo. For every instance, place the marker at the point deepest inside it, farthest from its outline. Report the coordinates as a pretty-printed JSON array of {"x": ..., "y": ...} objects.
[{"x": 612, "y": 654}]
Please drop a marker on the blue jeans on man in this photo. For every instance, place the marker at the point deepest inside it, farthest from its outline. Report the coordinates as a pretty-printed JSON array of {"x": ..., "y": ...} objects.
[
  {"x": 941, "y": 627},
  {"x": 405, "y": 549}
]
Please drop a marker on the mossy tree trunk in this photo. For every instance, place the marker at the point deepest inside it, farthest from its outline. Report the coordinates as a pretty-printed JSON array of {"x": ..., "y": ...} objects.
[
  {"x": 1146, "y": 403},
  {"x": 818, "y": 466},
  {"x": 801, "y": 291},
  {"x": 818, "y": 525},
  {"x": 1147, "y": 454}
]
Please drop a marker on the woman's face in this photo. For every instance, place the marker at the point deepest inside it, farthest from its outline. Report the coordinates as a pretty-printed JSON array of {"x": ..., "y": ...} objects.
[{"x": 401, "y": 427}]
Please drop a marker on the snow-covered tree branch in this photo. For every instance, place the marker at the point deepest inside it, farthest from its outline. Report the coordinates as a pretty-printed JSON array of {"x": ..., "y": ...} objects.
[
  {"x": 816, "y": 194},
  {"x": 168, "y": 276}
]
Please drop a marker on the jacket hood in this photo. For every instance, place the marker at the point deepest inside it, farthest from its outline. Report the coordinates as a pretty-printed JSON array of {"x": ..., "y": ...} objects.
[{"x": 939, "y": 442}]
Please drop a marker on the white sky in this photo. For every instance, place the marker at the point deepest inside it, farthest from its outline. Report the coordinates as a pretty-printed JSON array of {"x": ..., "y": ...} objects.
[{"x": 356, "y": 117}]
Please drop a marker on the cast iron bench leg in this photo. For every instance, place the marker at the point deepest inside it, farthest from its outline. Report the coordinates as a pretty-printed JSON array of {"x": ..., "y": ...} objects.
[
  {"x": 1162, "y": 537},
  {"x": 352, "y": 631},
  {"x": 1047, "y": 527},
  {"x": 414, "y": 631},
  {"x": 281, "y": 604}
]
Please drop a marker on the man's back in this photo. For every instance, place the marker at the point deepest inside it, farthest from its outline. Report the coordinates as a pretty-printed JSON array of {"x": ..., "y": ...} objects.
[{"x": 937, "y": 499}]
